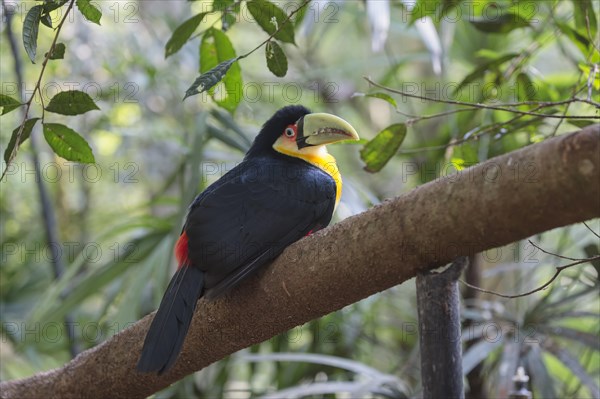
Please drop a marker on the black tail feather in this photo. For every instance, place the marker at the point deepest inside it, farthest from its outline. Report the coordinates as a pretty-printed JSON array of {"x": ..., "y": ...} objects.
[{"x": 172, "y": 320}]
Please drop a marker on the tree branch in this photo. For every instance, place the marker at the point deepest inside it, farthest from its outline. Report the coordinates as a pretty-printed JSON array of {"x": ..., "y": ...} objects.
[{"x": 508, "y": 198}]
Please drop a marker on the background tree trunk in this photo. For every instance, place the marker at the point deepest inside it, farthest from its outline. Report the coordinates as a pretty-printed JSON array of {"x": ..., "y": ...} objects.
[
  {"x": 508, "y": 198},
  {"x": 438, "y": 301}
]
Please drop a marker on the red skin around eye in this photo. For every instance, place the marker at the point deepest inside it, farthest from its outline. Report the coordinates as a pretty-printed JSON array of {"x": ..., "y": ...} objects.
[{"x": 294, "y": 128}]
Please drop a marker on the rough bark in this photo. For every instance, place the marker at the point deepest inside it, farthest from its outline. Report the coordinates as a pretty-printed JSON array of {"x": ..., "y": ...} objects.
[
  {"x": 508, "y": 198},
  {"x": 438, "y": 301}
]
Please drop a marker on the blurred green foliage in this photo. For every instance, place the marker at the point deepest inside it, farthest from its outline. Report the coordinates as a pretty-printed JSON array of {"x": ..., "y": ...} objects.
[{"x": 118, "y": 218}]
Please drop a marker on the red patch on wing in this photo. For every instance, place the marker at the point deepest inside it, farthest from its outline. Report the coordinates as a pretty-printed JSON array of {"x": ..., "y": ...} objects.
[{"x": 181, "y": 250}]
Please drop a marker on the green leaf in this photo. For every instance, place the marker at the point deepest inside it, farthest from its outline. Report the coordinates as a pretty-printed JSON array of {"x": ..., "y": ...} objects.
[
  {"x": 467, "y": 153},
  {"x": 96, "y": 279},
  {"x": 477, "y": 353},
  {"x": 300, "y": 15},
  {"x": 228, "y": 19},
  {"x": 182, "y": 34},
  {"x": 479, "y": 72},
  {"x": 226, "y": 139},
  {"x": 218, "y": 61},
  {"x": 8, "y": 104},
  {"x": 220, "y": 5},
  {"x": 581, "y": 123},
  {"x": 46, "y": 20},
  {"x": 436, "y": 9},
  {"x": 504, "y": 23},
  {"x": 424, "y": 8},
  {"x": 584, "y": 14},
  {"x": 538, "y": 371},
  {"x": 50, "y": 6},
  {"x": 207, "y": 80},
  {"x": 448, "y": 6},
  {"x": 271, "y": 18},
  {"x": 89, "y": 11},
  {"x": 581, "y": 337},
  {"x": 276, "y": 59},
  {"x": 377, "y": 152},
  {"x": 67, "y": 143},
  {"x": 58, "y": 53},
  {"x": 31, "y": 26},
  {"x": 525, "y": 88},
  {"x": 229, "y": 122},
  {"x": 229, "y": 9},
  {"x": 526, "y": 9},
  {"x": 487, "y": 54},
  {"x": 29, "y": 124},
  {"x": 71, "y": 102},
  {"x": 574, "y": 366},
  {"x": 385, "y": 97},
  {"x": 578, "y": 39}
]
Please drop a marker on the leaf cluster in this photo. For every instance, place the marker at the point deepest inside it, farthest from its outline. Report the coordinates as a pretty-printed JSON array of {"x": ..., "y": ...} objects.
[
  {"x": 65, "y": 142},
  {"x": 218, "y": 59}
]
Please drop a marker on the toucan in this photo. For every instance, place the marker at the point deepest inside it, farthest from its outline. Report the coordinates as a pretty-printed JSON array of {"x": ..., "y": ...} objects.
[{"x": 286, "y": 187}]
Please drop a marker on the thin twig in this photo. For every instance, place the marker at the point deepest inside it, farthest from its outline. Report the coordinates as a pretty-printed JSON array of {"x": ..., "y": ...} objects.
[
  {"x": 553, "y": 254},
  {"x": 574, "y": 95},
  {"x": 589, "y": 31},
  {"x": 473, "y": 137},
  {"x": 559, "y": 269},
  {"x": 590, "y": 229},
  {"x": 492, "y": 107},
  {"x": 416, "y": 119},
  {"x": 406, "y": 114}
]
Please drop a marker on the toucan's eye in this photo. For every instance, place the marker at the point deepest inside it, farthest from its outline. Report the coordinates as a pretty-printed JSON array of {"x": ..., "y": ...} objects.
[{"x": 290, "y": 132}]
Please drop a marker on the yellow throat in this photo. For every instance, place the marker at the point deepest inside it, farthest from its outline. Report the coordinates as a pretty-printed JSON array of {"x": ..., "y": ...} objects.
[{"x": 319, "y": 157}]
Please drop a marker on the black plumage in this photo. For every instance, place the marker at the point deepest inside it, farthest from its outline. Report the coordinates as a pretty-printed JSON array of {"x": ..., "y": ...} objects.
[
  {"x": 267, "y": 204},
  {"x": 238, "y": 224},
  {"x": 172, "y": 321}
]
